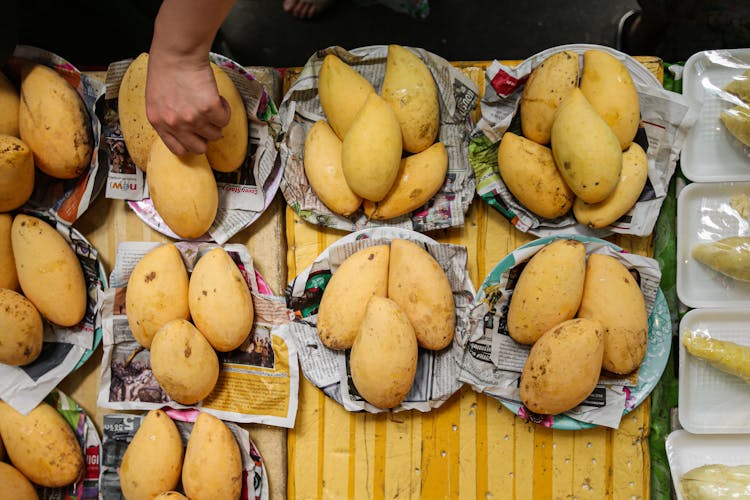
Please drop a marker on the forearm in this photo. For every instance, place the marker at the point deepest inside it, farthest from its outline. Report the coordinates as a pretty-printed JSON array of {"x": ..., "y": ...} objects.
[{"x": 185, "y": 29}]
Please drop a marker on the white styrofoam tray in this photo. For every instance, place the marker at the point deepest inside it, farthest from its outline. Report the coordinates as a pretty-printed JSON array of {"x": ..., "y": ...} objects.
[
  {"x": 711, "y": 153},
  {"x": 705, "y": 214},
  {"x": 687, "y": 451},
  {"x": 711, "y": 401}
]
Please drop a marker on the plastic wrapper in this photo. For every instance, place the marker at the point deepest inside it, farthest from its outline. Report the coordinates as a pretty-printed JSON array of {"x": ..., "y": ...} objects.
[
  {"x": 301, "y": 108},
  {"x": 243, "y": 194},
  {"x": 716, "y": 84},
  {"x": 119, "y": 430},
  {"x": 257, "y": 382},
  {"x": 665, "y": 120},
  {"x": 437, "y": 371},
  {"x": 729, "y": 256},
  {"x": 716, "y": 481},
  {"x": 64, "y": 349},
  {"x": 492, "y": 362},
  {"x": 67, "y": 200}
]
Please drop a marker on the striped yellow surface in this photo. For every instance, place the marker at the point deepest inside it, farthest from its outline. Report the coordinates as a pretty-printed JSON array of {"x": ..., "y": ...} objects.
[{"x": 471, "y": 447}]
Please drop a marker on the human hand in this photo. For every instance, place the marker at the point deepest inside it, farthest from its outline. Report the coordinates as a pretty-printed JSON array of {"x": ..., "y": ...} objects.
[{"x": 183, "y": 103}]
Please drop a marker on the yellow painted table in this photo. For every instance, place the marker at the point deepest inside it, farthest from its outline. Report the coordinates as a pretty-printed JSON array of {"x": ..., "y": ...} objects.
[{"x": 471, "y": 447}]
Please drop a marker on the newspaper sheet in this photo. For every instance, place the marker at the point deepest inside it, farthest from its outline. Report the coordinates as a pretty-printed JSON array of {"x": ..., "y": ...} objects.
[
  {"x": 258, "y": 381},
  {"x": 119, "y": 430},
  {"x": 666, "y": 118},
  {"x": 493, "y": 361},
  {"x": 64, "y": 349},
  {"x": 301, "y": 108},
  {"x": 246, "y": 192},
  {"x": 67, "y": 200},
  {"x": 437, "y": 371}
]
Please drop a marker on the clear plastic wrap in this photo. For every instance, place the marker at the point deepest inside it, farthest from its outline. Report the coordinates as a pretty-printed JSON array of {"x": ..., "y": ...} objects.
[{"x": 716, "y": 481}]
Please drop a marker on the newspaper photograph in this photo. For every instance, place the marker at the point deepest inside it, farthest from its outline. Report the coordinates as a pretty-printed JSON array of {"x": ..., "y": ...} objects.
[
  {"x": 66, "y": 199},
  {"x": 492, "y": 362},
  {"x": 120, "y": 428},
  {"x": 65, "y": 349},
  {"x": 666, "y": 118},
  {"x": 246, "y": 192},
  {"x": 436, "y": 378},
  {"x": 301, "y": 108},
  {"x": 257, "y": 382}
]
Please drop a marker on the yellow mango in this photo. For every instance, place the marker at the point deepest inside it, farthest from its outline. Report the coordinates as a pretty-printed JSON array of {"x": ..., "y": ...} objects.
[
  {"x": 361, "y": 275},
  {"x": 16, "y": 173},
  {"x": 137, "y": 131},
  {"x": 529, "y": 172},
  {"x": 213, "y": 464},
  {"x": 384, "y": 355},
  {"x": 41, "y": 445},
  {"x": 220, "y": 302},
  {"x": 548, "y": 291},
  {"x": 48, "y": 270},
  {"x": 418, "y": 284},
  {"x": 371, "y": 152},
  {"x": 608, "y": 86},
  {"x": 563, "y": 367},
  {"x": 228, "y": 153},
  {"x": 183, "y": 189},
  {"x": 409, "y": 88},
  {"x": 157, "y": 292},
  {"x": 342, "y": 93},
  {"x": 54, "y": 122},
  {"x": 8, "y": 275},
  {"x": 153, "y": 460},
  {"x": 585, "y": 149},
  {"x": 183, "y": 362},
  {"x": 613, "y": 298},
  {"x": 633, "y": 178},
  {"x": 21, "y": 329},
  {"x": 419, "y": 178},
  {"x": 9, "y": 102},
  {"x": 548, "y": 84},
  {"x": 15, "y": 485},
  {"x": 324, "y": 171}
]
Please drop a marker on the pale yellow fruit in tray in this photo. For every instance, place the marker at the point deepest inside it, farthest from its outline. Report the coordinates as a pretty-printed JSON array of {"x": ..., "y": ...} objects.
[
  {"x": 409, "y": 88},
  {"x": 715, "y": 481},
  {"x": 221, "y": 305},
  {"x": 228, "y": 153},
  {"x": 183, "y": 189},
  {"x": 8, "y": 275},
  {"x": 183, "y": 362},
  {"x": 728, "y": 256},
  {"x": 21, "y": 329},
  {"x": 545, "y": 89},
  {"x": 737, "y": 121},
  {"x": 608, "y": 86},
  {"x": 153, "y": 460},
  {"x": 361, "y": 275},
  {"x": 342, "y": 93},
  {"x": 371, "y": 152},
  {"x": 213, "y": 463},
  {"x": 9, "y": 102},
  {"x": 137, "y": 131},
  {"x": 384, "y": 355},
  {"x": 419, "y": 178},
  {"x": 529, "y": 172},
  {"x": 324, "y": 172},
  {"x": 612, "y": 296},
  {"x": 54, "y": 122},
  {"x": 633, "y": 178},
  {"x": 41, "y": 445},
  {"x": 548, "y": 291},
  {"x": 418, "y": 284},
  {"x": 16, "y": 173},
  {"x": 157, "y": 292},
  {"x": 15, "y": 485},
  {"x": 49, "y": 271},
  {"x": 586, "y": 150},
  {"x": 563, "y": 367},
  {"x": 740, "y": 86}
]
